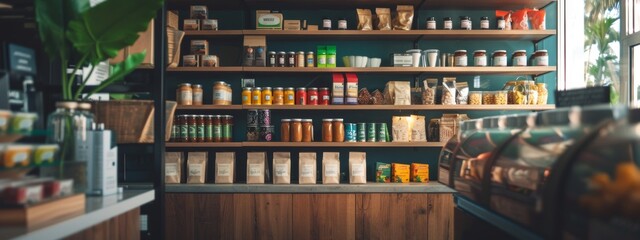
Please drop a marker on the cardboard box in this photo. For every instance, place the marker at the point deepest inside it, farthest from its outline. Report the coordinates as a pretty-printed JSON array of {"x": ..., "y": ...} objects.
[
  {"x": 199, "y": 12},
  {"x": 255, "y": 51},
  {"x": 419, "y": 172},
  {"x": 401, "y": 60},
  {"x": 190, "y": 24},
  {"x": 173, "y": 19},
  {"x": 209, "y": 24},
  {"x": 352, "y": 89},
  {"x": 383, "y": 172},
  {"x": 292, "y": 25},
  {"x": 312, "y": 28},
  {"x": 190, "y": 61},
  {"x": 337, "y": 94},
  {"x": 266, "y": 19},
  {"x": 401, "y": 173},
  {"x": 200, "y": 47}
]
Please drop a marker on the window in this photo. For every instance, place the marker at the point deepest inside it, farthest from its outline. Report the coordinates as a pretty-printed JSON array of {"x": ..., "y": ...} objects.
[{"x": 630, "y": 46}]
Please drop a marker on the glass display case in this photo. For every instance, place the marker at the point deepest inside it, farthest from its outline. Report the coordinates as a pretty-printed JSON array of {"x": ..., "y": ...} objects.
[{"x": 446, "y": 155}]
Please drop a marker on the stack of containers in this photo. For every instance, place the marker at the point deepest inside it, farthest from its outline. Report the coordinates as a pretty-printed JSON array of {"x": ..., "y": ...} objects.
[{"x": 259, "y": 126}]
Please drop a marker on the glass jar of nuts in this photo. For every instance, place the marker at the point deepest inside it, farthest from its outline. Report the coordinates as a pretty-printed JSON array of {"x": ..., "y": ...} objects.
[
  {"x": 488, "y": 98},
  {"x": 475, "y": 98},
  {"x": 500, "y": 97}
]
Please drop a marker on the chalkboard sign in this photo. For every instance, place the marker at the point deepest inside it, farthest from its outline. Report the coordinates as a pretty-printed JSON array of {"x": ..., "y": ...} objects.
[
  {"x": 21, "y": 59},
  {"x": 583, "y": 97}
]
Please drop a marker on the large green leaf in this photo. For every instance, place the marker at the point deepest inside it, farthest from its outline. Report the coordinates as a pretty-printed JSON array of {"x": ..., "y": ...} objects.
[
  {"x": 52, "y": 17},
  {"x": 118, "y": 71},
  {"x": 110, "y": 26}
]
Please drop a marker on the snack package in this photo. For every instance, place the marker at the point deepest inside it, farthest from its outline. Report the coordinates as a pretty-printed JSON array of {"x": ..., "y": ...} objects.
[
  {"x": 330, "y": 168},
  {"x": 225, "y": 167},
  {"x": 197, "y": 167},
  {"x": 364, "y": 19},
  {"x": 404, "y": 17},
  {"x": 357, "y": 167},
  {"x": 364, "y": 97},
  {"x": 401, "y": 128},
  {"x": 383, "y": 20},
  {"x": 383, "y": 172},
  {"x": 281, "y": 168},
  {"x": 507, "y": 18},
  {"x": 255, "y": 167},
  {"x": 307, "y": 168},
  {"x": 537, "y": 19},
  {"x": 419, "y": 172},
  {"x": 377, "y": 98},
  {"x": 462, "y": 93},
  {"x": 449, "y": 91},
  {"x": 173, "y": 167},
  {"x": 418, "y": 129},
  {"x": 401, "y": 173},
  {"x": 520, "y": 19},
  {"x": 389, "y": 93},
  {"x": 429, "y": 92},
  {"x": 402, "y": 93}
]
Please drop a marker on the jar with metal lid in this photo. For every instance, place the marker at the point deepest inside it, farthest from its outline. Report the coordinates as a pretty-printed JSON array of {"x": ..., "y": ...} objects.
[
  {"x": 208, "y": 128},
  {"x": 246, "y": 95},
  {"x": 433, "y": 134},
  {"x": 193, "y": 128},
  {"x": 183, "y": 132},
  {"x": 499, "y": 58},
  {"x": 272, "y": 59},
  {"x": 285, "y": 130},
  {"x": 300, "y": 59},
  {"x": 282, "y": 59},
  {"x": 200, "y": 128},
  {"x": 431, "y": 23},
  {"x": 220, "y": 93},
  {"x": 256, "y": 96},
  {"x": 338, "y": 130},
  {"x": 326, "y": 23},
  {"x": 229, "y": 94},
  {"x": 447, "y": 23},
  {"x": 543, "y": 93},
  {"x": 227, "y": 128},
  {"x": 465, "y": 23},
  {"x": 501, "y": 23},
  {"x": 217, "y": 128},
  {"x": 289, "y": 96},
  {"x": 197, "y": 94},
  {"x": 184, "y": 94},
  {"x": 327, "y": 130},
  {"x": 296, "y": 130},
  {"x": 484, "y": 23},
  {"x": 301, "y": 96},
  {"x": 342, "y": 24},
  {"x": 515, "y": 92},
  {"x": 278, "y": 96},
  {"x": 460, "y": 58},
  {"x": 532, "y": 92},
  {"x": 480, "y": 58},
  {"x": 307, "y": 130},
  {"x": 541, "y": 58},
  {"x": 291, "y": 59},
  {"x": 312, "y": 95},
  {"x": 267, "y": 96},
  {"x": 323, "y": 96},
  {"x": 310, "y": 59},
  {"x": 519, "y": 58},
  {"x": 175, "y": 129}
]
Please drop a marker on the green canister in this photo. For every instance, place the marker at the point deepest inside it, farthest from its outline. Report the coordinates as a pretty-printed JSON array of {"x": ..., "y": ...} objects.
[
  {"x": 362, "y": 132},
  {"x": 371, "y": 132},
  {"x": 383, "y": 134}
]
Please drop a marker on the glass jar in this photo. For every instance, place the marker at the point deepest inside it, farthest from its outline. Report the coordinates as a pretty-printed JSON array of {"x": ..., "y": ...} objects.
[
  {"x": 465, "y": 23},
  {"x": 480, "y": 58},
  {"x": 519, "y": 58},
  {"x": 184, "y": 94},
  {"x": 220, "y": 93},
  {"x": 327, "y": 130},
  {"x": 484, "y": 23},
  {"x": 278, "y": 96},
  {"x": 307, "y": 130},
  {"x": 500, "y": 97},
  {"x": 323, "y": 96},
  {"x": 532, "y": 93},
  {"x": 300, "y": 59},
  {"x": 285, "y": 130},
  {"x": 256, "y": 96},
  {"x": 296, "y": 130},
  {"x": 338, "y": 130},
  {"x": 541, "y": 58},
  {"x": 431, "y": 23},
  {"x": 342, "y": 24},
  {"x": 227, "y": 128},
  {"x": 208, "y": 128},
  {"x": 267, "y": 96},
  {"x": 326, "y": 23},
  {"x": 272, "y": 59},
  {"x": 193, "y": 128},
  {"x": 447, "y": 23},
  {"x": 246, "y": 95},
  {"x": 291, "y": 59},
  {"x": 217, "y": 128},
  {"x": 312, "y": 95},
  {"x": 61, "y": 125},
  {"x": 301, "y": 96},
  {"x": 200, "y": 128},
  {"x": 500, "y": 23},
  {"x": 197, "y": 94},
  {"x": 310, "y": 59},
  {"x": 282, "y": 59},
  {"x": 460, "y": 58},
  {"x": 499, "y": 58},
  {"x": 229, "y": 94},
  {"x": 475, "y": 98},
  {"x": 182, "y": 129},
  {"x": 543, "y": 93},
  {"x": 433, "y": 134},
  {"x": 488, "y": 97},
  {"x": 289, "y": 96},
  {"x": 515, "y": 92}
]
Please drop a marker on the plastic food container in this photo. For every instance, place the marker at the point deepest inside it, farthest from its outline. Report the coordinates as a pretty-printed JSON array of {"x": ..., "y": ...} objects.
[
  {"x": 22, "y": 123},
  {"x": 17, "y": 155},
  {"x": 45, "y": 153},
  {"x": 475, "y": 98},
  {"x": 5, "y": 116},
  {"x": 488, "y": 97},
  {"x": 500, "y": 97}
]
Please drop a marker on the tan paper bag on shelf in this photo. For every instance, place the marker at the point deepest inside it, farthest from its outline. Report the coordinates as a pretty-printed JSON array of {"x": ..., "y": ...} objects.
[
  {"x": 174, "y": 40},
  {"x": 307, "y": 168},
  {"x": 281, "y": 168},
  {"x": 357, "y": 167},
  {"x": 364, "y": 19},
  {"x": 225, "y": 167},
  {"x": 173, "y": 167},
  {"x": 418, "y": 129},
  {"x": 330, "y": 168},
  {"x": 255, "y": 167},
  {"x": 383, "y": 19},
  {"x": 401, "y": 128},
  {"x": 197, "y": 167}
]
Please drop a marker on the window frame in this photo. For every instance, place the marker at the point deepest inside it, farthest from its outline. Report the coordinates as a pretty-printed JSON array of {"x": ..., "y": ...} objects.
[{"x": 628, "y": 40}]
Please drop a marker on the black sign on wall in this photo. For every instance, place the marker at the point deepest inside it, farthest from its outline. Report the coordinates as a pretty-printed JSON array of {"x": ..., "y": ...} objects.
[{"x": 21, "y": 59}]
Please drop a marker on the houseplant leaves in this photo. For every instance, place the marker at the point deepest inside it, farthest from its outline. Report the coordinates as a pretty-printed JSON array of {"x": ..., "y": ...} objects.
[
  {"x": 119, "y": 71},
  {"x": 52, "y": 17}
]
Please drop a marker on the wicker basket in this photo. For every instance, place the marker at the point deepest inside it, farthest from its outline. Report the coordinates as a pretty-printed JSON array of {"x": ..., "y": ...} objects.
[{"x": 131, "y": 120}]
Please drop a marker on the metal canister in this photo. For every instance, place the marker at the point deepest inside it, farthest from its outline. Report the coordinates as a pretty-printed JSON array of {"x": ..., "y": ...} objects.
[
  {"x": 252, "y": 134},
  {"x": 266, "y": 133},
  {"x": 383, "y": 135},
  {"x": 252, "y": 118},
  {"x": 371, "y": 132},
  {"x": 362, "y": 132},
  {"x": 350, "y": 132},
  {"x": 264, "y": 117}
]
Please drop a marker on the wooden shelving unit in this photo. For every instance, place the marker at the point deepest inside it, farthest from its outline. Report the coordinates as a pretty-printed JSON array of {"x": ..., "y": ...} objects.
[
  {"x": 304, "y": 144},
  {"x": 375, "y": 107}
]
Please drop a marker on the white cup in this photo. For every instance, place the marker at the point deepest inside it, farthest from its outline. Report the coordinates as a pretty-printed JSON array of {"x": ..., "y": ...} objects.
[
  {"x": 364, "y": 61},
  {"x": 430, "y": 57},
  {"x": 415, "y": 53},
  {"x": 375, "y": 62},
  {"x": 352, "y": 61},
  {"x": 358, "y": 61}
]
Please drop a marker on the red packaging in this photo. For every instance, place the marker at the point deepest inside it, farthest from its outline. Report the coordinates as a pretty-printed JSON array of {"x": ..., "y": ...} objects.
[
  {"x": 52, "y": 189},
  {"x": 22, "y": 194},
  {"x": 301, "y": 96},
  {"x": 538, "y": 19},
  {"x": 507, "y": 18},
  {"x": 520, "y": 19},
  {"x": 352, "y": 88},
  {"x": 324, "y": 97},
  {"x": 312, "y": 95}
]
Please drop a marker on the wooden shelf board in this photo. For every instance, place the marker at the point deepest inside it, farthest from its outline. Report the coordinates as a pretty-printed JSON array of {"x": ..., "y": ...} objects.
[
  {"x": 204, "y": 69},
  {"x": 302, "y": 144},
  {"x": 533, "y": 70},
  {"x": 376, "y": 107},
  {"x": 203, "y": 145},
  {"x": 214, "y": 33},
  {"x": 210, "y": 107},
  {"x": 486, "y": 4}
]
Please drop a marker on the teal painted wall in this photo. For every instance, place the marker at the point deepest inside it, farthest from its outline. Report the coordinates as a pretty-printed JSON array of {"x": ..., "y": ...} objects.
[{"x": 229, "y": 51}]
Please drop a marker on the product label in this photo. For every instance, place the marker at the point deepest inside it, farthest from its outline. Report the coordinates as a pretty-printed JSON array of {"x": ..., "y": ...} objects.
[
  {"x": 282, "y": 170},
  {"x": 281, "y": 61},
  {"x": 309, "y": 62},
  {"x": 500, "y": 61},
  {"x": 338, "y": 89},
  {"x": 217, "y": 131},
  {"x": 448, "y": 24},
  {"x": 461, "y": 61},
  {"x": 256, "y": 98},
  {"x": 171, "y": 169},
  {"x": 501, "y": 24},
  {"x": 197, "y": 97},
  {"x": 219, "y": 95},
  {"x": 542, "y": 61},
  {"x": 201, "y": 132},
  {"x": 224, "y": 170},
  {"x": 272, "y": 61},
  {"x": 342, "y": 24},
  {"x": 195, "y": 170},
  {"x": 306, "y": 171},
  {"x": 290, "y": 97},
  {"x": 480, "y": 61},
  {"x": 245, "y": 99},
  {"x": 331, "y": 170},
  {"x": 267, "y": 98},
  {"x": 352, "y": 89},
  {"x": 520, "y": 61},
  {"x": 357, "y": 170},
  {"x": 431, "y": 25},
  {"x": 322, "y": 59},
  {"x": 325, "y": 98},
  {"x": 465, "y": 24},
  {"x": 208, "y": 131},
  {"x": 193, "y": 132},
  {"x": 186, "y": 96},
  {"x": 292, "y": 61},
  {"x": 484, "y": 24},
  {"x": 226, "y": 131},
  {"x": 255, "y": 170},
  {"x": 331, "y": 60},
  {"x": 313, "y": 98},
  {"x": 184, "y": 131},
  {"x": 326, "y": 23},
  {"x": 33, "y": 194}
]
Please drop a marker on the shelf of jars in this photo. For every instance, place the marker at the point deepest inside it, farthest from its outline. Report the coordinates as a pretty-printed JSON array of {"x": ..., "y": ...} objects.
[
  {"x": 375, "y": 107},
  {"x": 301, "y": 144},
  {"x": 531, "y": 70}
]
